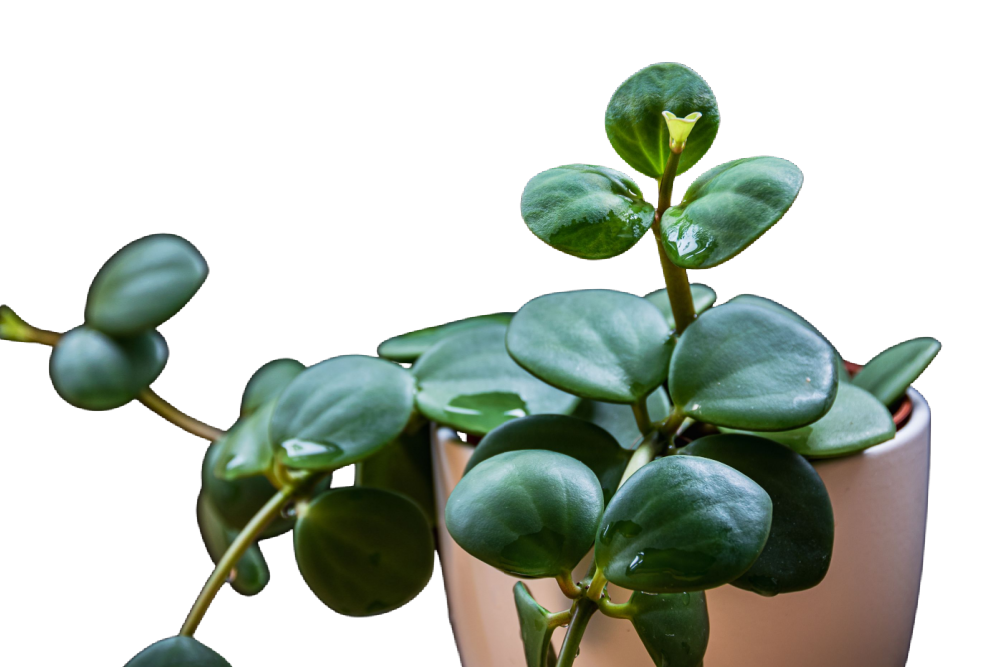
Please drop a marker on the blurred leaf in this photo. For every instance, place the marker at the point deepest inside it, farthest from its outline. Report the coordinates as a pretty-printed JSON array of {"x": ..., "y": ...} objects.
[
  {"x": 267, "y": 382},
  {"x": 245, "y": 449},
  {"x": 237, "y": 501},
  {"x": 403, "y": 466},
  {"x": 673, "y": 628},
  {"x": 178, "y": 651},
  {"x": 892, "y": 371},
  {"x": 252, "y": 573},
  {"x": 409, "y": 346},
  {"x": 536, "y": 634}
]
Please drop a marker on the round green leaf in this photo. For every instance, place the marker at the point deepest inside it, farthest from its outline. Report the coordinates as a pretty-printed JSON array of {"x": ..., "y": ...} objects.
[
  {"x": 682, "y": 524},
  {"x": 673, "y": 628},
  {"x": 408, "y": 347},
  {"x": 341, "y": 411},
  {"x": 237, "y": 501},
  {"x": 94, "y": 371},
  {"x": 619, "y": 420},
  {"x": 888, "y": 375},
  {"x": 536, "y": 631},
  {"x": 598, "y": 344},
  {"x": 267, "y": 382},
  {"x": 586, "y": 211},
  {"x": 637, "y": 129},
  {"x": 245, "y": 449},
  {"x": 727, "y": 208},
  {"x": 364, "y": 551},
  {"x": 403, "y": 466},
  {"x": 703, "y": 297},
  {"x": 530, "y": 513},
  {"x": 590, "y": 444},
  {"x": 799, "y": 548},
  {"x": 180, "y": 651},
  {"x": 251, "y": 571},
  {"x": 144, "y": 284},
  {"x": 469, "y": 382},
  {"x": 744, "y": 366}
]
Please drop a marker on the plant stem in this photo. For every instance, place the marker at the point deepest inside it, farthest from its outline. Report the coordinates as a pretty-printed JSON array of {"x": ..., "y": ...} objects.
[
  {"x": 641, "y": 412},
  {"x": 653, "y": 443},
  {"x": 13, "y": 328},
  {"x": 154, "y": 402},
  {"x": 678, "y": 287},
  {"x": 568, "y": 586},
  {"x": 609, "y": 608},
  {"x": 596, "y": 588},
  {"x": 580, "y": 615}
]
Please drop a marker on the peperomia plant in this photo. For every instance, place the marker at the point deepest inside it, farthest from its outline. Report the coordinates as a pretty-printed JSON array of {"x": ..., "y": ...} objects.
[{"x": 669, "y": 437}]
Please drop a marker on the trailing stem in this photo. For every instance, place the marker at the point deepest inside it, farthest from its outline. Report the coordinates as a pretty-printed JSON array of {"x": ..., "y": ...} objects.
[
  {"x": 678, "y": 287},
  {"x": 580, "y": 615}
]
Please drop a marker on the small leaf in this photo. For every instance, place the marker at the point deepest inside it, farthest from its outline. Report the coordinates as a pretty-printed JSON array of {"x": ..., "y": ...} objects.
[
  {"x": 888, "y": 375},
  {"x": 637, "y": 129},
  {"x": 94, "y": 371},
  {"x": 267, "y": 383},
  {"x": 180, "y": 651},
  {"x": 364, "y": 551},
  {"x": 703, "y": 297},
  {"x": 341, "y": 411},
  {"x": 252, "y": 573},
  {"x": 682, "y": 524},
  {"x": 403, "y": 466},
  {"x": 237, "y": 501},
  {"x": 536, "y": 631},
  {"x": 619, "y": 420},
  {"x": 673, "y": 628},
  {"x": 591, "y": 445},
  {"x": 408, "y": 347},
  {"x": 144, "y": 284},
  {"x": 727, "y": 208},
  {"x": 529, "y": 513},
  {"x": 743, "y": 366},
  {"x": 245, "y": 449},
  {"x": 469, "y": 382},
  {"x": 799, "y": 548},
  {"x": 598, "y": 344},
  {"x": 586, "y": 211}
]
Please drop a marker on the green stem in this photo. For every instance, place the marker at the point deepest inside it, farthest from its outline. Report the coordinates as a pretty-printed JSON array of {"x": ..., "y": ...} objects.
[
  {"x": 568, "y": 586},
  {"x": 154, "y": 402},
  {"x": 596, "y": 588},
  {"x": 678, "y": 287},
  {"x": 642, "y": 420},
  {"x": 609, "y": 608},
  {"x": 13, "y": 328},
  {"x": 653, "y": 443},
  {"x": 580, "y": 615}
]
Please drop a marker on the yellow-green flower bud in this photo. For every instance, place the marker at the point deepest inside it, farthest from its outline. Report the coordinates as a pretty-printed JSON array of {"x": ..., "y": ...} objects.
[{"x": 680, "y": 129}]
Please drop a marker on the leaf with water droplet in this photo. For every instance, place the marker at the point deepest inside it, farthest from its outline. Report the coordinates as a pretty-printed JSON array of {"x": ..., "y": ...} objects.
[
  {"x": 892, "y": 371},
  {"x": 536, "y": 629},
  {"x": 403, "y": 466},
  {"x": 180, "y": 651},
  {"x": 408, "y": 347},
  {"x": 619, "y": 420},
  {"x": 251, "y": 571},
  {"x": 267, "y": 382},
  {"x": 672, "y": 627},
  {"x": 702, "y": 296}
]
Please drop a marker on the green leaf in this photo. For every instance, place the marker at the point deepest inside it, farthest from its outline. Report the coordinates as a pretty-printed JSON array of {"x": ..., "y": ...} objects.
[
  {"x": 403, "y": 466},
  {"x": 703, "y": 297},
  {"x": 144, "y": 284},
  {"x": 682, "y": 524},
  {"x": 743, "y": 366},
  {"x": 469, "y": 382},
  {"x": 267, "y": 383},
  {"x": 635, "y": 124},
  {"x": 598, "y": 344},
  {"x": 252, "y": 573},
  {"x": 856, "y": 422},
  {"x": 408, "y": 347},
  {"x": 619, "y": 420},
  {"x": 245, "y": 449},
  {"x": 178, "y": 651},
  {"x": 536, "y": 631},
  {"x": 530, "y": 513},
  {"x": 673, "y": 628},
  {"x": 799, "y": 548},
  {"x": 341, "y": 411},
  {"x": 888, "y": 375},
  {"x": 364, "y": 551},
  {"x": 237, "y": 501},
  {"x": 591, "y": 445},
  {"x": 727, "y": 208},
  {"x": 94, "y": 371},
  {"x": 586, "y": 211}
]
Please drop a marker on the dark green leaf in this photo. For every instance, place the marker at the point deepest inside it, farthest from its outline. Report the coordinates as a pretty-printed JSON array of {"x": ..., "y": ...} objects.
[
  {"x": 635, "y": 124},
  {"x": 536, "y": 632},
  {"x": 178, "y": 651},
  {"x": 251, "y": 572},
  {"x": 409, "y": 346},
  {"x": 744, "y": 366},
  {"x": 530, "y": 513},
  {"x": 245, "y": 449},
  {"x": 673, "y": 628},
  {"x": 364, "y": 551},
  {"x": 703, "y": 297},
  {"x": 267, "y": 382},
  {"x": 619, "y": 420},
  {"x": 727, "y": 208},
  {"x": 682, "y": 524},
  {"x": 799, "y": 548},
  {"x": 598, "y": 344},
  {"x": 94, "y": 371},
  {"x": 237, "y": 501},
  {"x": 403, "y": 466},
  {"x": 586, "y": 211},
  {"x": 888, "y": 375},
  {"x": 144, "y": 284}
]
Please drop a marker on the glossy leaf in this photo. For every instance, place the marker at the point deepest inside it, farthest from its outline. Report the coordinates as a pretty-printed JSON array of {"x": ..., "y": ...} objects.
[
  {"x": 94, "y": 371},
  {"x": 469, "y": 382},
  {"x": 727, "y": 208},
  {"x": 237, "y": 501},
  {"x": 856, "y": 422},
  {"x": 341, "y": 411},
  {"x": 598, "y": 344},
  {"x": 888, "y": 375},
  {"x": 180, "y": 651},
  {"x": 682, "y": 524},
  {"x": 408, "y": 347},
  {"x": 267, "y": 383},
  {"x": 703, "y": 297},
  {"x": 635, "y": 124},
  {"x": 744, "y": 366},
  {"x": 798, "y": 550},
  {"x": 144, "y": 284},
  {"x": 590, "y": 444},
  {"x": 536, "y": 631},
  {"x": 673, "y": 628},
  {"x": 586, "y": 211},
  {"x": 530, "y": 513},
  {"x": 251, "y": 573},
  {"x": 619, "y": 420},
  {"x": 364, "y": 551},
  {"x": 403, "y": 466},
  {"x": 245, "y": 449}
]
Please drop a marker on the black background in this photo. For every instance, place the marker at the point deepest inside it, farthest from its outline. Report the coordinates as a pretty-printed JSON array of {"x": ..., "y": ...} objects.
[{"x": 338, "y": 203}]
